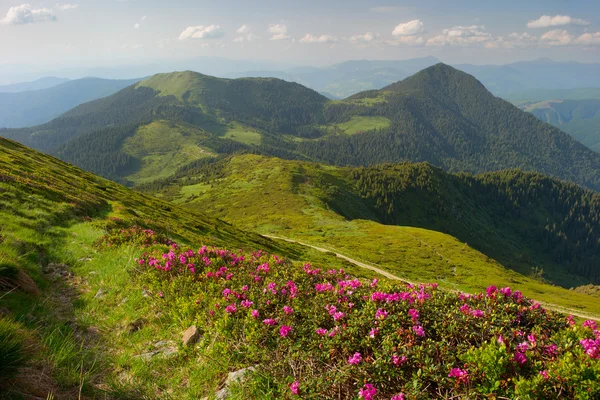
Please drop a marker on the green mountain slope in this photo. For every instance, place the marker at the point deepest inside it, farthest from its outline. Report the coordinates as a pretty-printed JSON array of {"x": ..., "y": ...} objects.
[
  {"x": 99, "y": 302},
  {"x": 28, "y": 108},
  {"x": 68, "y": 244},
  {"x": 579, "y": 118},
  {"x": 412, "y": 219},
  {"x": 440, "y": 115}
]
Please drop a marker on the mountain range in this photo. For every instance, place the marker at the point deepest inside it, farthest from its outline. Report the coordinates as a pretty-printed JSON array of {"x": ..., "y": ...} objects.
[
  {"x": 38, "y": 105},
  {"x": 439, "y": 115}
]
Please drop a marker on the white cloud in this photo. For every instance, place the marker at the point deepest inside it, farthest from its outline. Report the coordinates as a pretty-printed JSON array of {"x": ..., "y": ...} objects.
[
  {"x": 278, "y": 32},
  {"x": 512, "y": 41},
  {"x": 67, "y": 6},
  {"x": 410, "y": 28},
  {"x": 461, "y": 36},
  {"x": 25, "y": 14},
  {"x": 557, "y": 37},
  {"x": 138, "y": 24},
  {"x": 308, "y": 38},
  {"x": 246, "y": 35},
  {"x": 589, "y": 39},
  {"x": 547, "y": 21},
  {"x": 367, "y": 38},
  {"x": 202, "y": 32}
]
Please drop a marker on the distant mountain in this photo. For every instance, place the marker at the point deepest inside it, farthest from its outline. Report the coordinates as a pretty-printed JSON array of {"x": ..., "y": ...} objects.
[
  {"x": 440, "y": 115},
  {"x": 42, "y": 83},
  {"x": 579, "y": 118},
  {"x": 542, "y": 73},
  {"x": 537, "y": 95},
  {"x": 39, "y": 106}
]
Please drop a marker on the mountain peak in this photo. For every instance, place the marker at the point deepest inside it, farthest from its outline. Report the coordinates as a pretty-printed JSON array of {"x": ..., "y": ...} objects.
[{"x": 438, "y": 77}]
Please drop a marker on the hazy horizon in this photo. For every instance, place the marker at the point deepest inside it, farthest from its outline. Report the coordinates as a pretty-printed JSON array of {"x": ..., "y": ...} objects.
[{"x": 46, "y": 36}]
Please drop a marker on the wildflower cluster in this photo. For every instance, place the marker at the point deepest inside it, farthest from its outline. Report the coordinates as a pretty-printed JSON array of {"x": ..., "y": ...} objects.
[
  {"x": 324, "y": 334},
  {"x": 136, "y": 235}
]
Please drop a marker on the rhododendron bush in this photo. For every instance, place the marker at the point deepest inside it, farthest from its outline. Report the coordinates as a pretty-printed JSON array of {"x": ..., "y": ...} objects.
[{"x": 323, "y": 334}]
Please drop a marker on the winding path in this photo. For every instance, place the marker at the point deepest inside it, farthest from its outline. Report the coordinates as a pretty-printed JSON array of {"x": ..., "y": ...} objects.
[{"x": 388, "y": 275}]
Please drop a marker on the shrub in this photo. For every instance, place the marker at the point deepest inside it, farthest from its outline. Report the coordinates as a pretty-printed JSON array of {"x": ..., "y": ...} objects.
[{"x": 325, "y": 334}]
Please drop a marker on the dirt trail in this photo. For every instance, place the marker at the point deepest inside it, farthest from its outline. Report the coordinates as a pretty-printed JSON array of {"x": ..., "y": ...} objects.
[{"x": 388, "y": 275}]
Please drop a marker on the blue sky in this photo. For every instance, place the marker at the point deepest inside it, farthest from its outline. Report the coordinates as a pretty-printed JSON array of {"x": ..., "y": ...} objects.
[{"x": 307, "y": 32}]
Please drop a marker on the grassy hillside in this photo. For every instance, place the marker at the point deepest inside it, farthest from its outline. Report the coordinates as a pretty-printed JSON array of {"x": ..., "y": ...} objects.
[
  {"x": 96, "y": 295},
  {"x": 345, "y": 210},
  {"x": 67, "y": 293}
]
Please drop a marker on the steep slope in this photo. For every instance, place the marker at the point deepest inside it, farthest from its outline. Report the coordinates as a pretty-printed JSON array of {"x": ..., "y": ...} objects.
[
  {"x": 579, "y": 118},
  {"x": 28, "y": 108},
  {"x": 38, "y": 84},
  {"x": 446, "y": 117},
  {"x": 413, "y": 219}
]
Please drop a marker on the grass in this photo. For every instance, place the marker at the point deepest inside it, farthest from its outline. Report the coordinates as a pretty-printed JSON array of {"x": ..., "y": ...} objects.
[
  {"x": 254, "y": 190},
  {"x": 53, "y": 213},
  {"x": 363, "y": 124},
  {"x": 164, "y": 147},
  {"x": 242, "y": 134}
]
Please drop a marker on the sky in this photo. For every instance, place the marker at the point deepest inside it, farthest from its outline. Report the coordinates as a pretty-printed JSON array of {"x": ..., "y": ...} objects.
[{"x": 47, "y": 34}]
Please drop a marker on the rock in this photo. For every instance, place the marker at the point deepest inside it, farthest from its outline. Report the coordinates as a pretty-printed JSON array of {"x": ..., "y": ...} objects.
[
  {"x": 84, "y": 259},
  {"x": 190, "y": 336},
  {"x": 168, "y": 349},
  {"x": 136, "y": 325},
  {"x": 233, "y": 377},
  {"x": 146, "y": 293},
  {"x": 99, "y": 294}
]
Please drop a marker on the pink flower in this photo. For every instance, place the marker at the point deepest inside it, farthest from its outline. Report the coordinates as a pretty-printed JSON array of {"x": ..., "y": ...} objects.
[
  {"x": 368, "y": 392},
  {"x": 321, "y": 331},
  {"x": 571, "y": 320},
  {"x": 334, "y": 332},
  {"x": 355, "y": 359},
  {"x": 518, "y": 296},
  {"x": 544, "y": 374},
  {"x": 374, "y": 283},
  {"x": 374, "y": 332},
  {"x": 520, "y": 358},
  {"x": 288, "y": 310},
  {"x": 418, "y": 329},
  {"x": 285, "y": 330},
  {"x": 381, "y": 314},
  {"x": 398, "y": 397},
  {"x": 295, "y": 387},
  {"x": 414, "y": 314},
  {"x": 398, "y": 360},
  {"x": 550, "y": 349},
  {"x": 461, "y": 375},
  {"x": 477, "y": 313},
  {"x": 506, "y": 291},
  {"x": 500, "y": 340},
  {"x": 491, "y": 291},
  {"x": 465, "y": 309},
  {"x": 246, "y": 303},
  {"x": 161, "y": 295},
  {"x": 269, "y": 321},
  {"x": 338, "y": 315},
  {"x": 255, "y": 313},
  {"x": 590, "y": 324},
  {"x": 230, "y": 309},
  {"x": 523, "y": 347}
]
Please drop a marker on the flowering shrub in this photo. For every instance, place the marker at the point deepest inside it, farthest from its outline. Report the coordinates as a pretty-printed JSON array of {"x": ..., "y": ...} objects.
[
  {"x": 136, "y": 235},
  {"x": 324, "y": 334}
]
